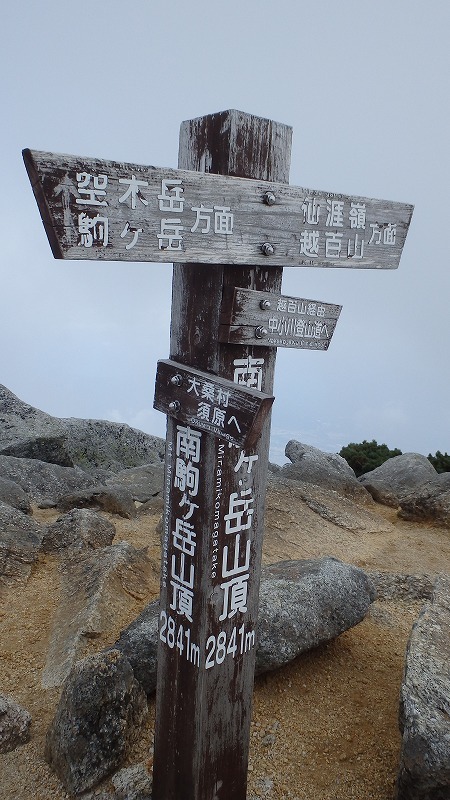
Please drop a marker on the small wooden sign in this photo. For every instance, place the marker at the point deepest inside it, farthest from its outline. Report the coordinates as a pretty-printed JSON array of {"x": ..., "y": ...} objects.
[
  {"x": 219, "y": 406},
  {"x": 262, "y": 318},
  {"x": 97, "y": 209}
]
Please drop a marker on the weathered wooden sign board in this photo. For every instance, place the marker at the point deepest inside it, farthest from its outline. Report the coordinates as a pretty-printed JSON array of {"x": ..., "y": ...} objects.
[
  {"x": 257, "y": 318},
  {"x": 232, "y": 235},
  {"x": 96, "y": 209},
  {"x": 224, "y": 408}
]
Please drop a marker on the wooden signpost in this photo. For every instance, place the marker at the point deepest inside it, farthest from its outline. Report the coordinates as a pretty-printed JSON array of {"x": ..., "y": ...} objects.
[
  {"x": 212, "y": 404},
  {"x": 261, "y": 318},
  {"x": 233, "y": 235},
  {"x": 94, "y": 209}
]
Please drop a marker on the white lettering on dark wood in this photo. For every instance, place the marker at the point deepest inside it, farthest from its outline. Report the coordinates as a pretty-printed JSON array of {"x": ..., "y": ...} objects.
[
  {"x": 108, "y": 210},
  {"x": 258, "y": 318},
  {"x": 214, "y": 404},
  {"x": 212, "y": 686}
]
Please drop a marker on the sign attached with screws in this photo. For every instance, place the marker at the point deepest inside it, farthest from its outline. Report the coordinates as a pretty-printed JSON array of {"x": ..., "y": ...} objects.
[
  {"x": 96, "y": 209},
  {"x": 276, "y": 320},
  {"x": 219, "y": 406}
]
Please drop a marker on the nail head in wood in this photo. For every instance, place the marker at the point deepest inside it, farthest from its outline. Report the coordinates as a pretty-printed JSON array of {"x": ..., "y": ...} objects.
[
  {"x": 269, "y": 199},
  {"x": 261, "y": 332},
  {"x": 264, "y": 305},
  {"x": 268, "y": 249}
]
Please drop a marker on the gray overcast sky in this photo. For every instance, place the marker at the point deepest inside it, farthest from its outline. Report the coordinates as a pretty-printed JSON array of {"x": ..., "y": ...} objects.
[{"x": 364, "y": 86}]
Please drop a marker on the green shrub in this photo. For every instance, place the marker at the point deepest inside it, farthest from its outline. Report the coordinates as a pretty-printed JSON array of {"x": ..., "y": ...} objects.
[
  {"x": 441, "y": 461},
  {"x": 366, "y": 456}
]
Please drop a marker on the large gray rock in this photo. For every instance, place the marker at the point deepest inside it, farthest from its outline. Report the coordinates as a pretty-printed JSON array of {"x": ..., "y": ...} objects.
[
  {"x": 302, "y": 605},
  {"x": 13, "y": 495},
  {"x": 398, "y": 586},
  {"x": 315, "y": 501},
  {"x": 390, "y": 482},
  {"x": 133, "y": 783},
  {"x": 28, "y": 432},
  {"x": 111, "y": 446},
  {"x": 424, "y": 772},
  {"x": 52, "y": 449},
  {"x": 14, "y": 724},
  {"x": 430, "y": 502},
  {"x": 79, "y": 529},
  {"x": 43, "y": 483},
  {"x": 20, "y": 541},
  {"x": 98, "y": 718},
  {"x": 112, "y": 498},
  {"x": 328, "y": 470},
  {"x": 130, "y": 783},
  {"x": 311, "y": 458},
  {"x": 95, "y": 587},
  {"x": 305, "y": 603},
  {"x": 21, "y": 425},
  {"x": 144, "y": 483},
  {"x": 139, "y": 643}
]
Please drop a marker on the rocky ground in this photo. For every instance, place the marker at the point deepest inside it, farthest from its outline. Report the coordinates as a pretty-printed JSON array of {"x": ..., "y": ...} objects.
[{"x": 325, "y": 726}]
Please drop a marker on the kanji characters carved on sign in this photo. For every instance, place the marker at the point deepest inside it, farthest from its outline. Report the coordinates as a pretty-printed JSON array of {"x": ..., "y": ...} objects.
[
  {"x": 210, "y": 403},
  {"x": 207, "y": 218},
  {"x": 261, "y": 318}
]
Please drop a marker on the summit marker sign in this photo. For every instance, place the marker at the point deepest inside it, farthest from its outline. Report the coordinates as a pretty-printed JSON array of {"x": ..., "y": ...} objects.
[
  {"x": 229, "y": 238},
  {"x": 96, "y": 209}
]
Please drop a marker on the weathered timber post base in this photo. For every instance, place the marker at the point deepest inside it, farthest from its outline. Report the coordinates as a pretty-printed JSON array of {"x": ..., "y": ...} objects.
[{"x": 214, "y": 502}]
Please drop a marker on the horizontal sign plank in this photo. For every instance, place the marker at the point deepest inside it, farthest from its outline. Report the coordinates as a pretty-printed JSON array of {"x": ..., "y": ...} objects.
[
  {"x": 219, "y": 406},
  {"x": 97, "y": 209},
  {"x": 264, "y": 318}
]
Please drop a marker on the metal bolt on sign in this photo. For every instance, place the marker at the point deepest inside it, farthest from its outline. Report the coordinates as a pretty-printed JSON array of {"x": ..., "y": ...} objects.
[
  {"x": 268, "y": 249},
  {"x": 269, "y": 198}
]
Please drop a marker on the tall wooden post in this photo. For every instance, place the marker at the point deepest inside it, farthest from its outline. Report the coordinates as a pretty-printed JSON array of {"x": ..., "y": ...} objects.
[
  {"x": 214, "y": 505},
  {"x": 216, "y": 466},
  {"x": 214, "y": 488}
]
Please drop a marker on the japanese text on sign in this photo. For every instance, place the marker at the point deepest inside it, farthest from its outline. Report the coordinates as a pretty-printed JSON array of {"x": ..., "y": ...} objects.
[
  {"x": 95, "y": 229},
  {"x": 338, "y": 214},
  {"x": 233, "y": 515},
  {"x": 210, "y": 403},
  {"x": 292, "y": 325},
  {"x": 184, "y": 536},
  {"x": 97, "y": 209}
]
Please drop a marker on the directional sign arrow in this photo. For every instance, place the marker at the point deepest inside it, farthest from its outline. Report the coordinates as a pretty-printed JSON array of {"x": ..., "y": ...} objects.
[
  {"x": 265, "y": 318},
  {"x": 228, "y": 410},
  {"x": 97, "y": 209}
]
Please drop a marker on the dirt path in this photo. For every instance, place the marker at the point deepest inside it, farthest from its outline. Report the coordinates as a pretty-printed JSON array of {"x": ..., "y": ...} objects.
[{"x": 324, "y": 727}]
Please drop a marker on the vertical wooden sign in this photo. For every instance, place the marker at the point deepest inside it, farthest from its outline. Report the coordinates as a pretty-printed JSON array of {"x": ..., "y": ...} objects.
[{"x": 214, "y": 504}]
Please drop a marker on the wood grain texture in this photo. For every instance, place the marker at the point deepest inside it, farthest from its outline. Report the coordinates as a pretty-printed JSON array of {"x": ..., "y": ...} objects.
[
  {"x": 221, "y": 407},
  {"x": 206, "y": 218},
  {"x": 262, "y": 318},
  {"x": 203, "y": 712}
]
